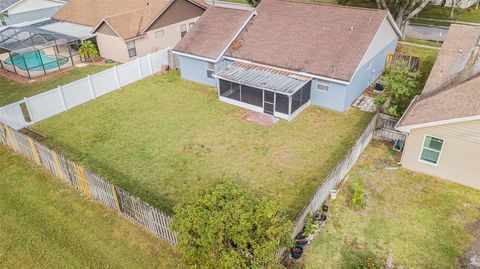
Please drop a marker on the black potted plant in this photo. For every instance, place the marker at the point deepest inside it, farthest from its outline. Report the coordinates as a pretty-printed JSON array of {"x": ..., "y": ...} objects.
[{"x": 296, "y": 252}]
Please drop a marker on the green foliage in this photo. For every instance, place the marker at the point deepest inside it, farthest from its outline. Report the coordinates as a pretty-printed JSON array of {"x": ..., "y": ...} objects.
[
  {"x": 357, "y": 191},
  {"x": 360, "y": 259},
  {"x": 227, "y": 227},
  {"x": 88, "y": 51},
  {"x": 401, "y": 85},
  {"x": 310, "y": 225},
  {"x": 253, "y": 3},
  {"x": 380, "y": 99}
]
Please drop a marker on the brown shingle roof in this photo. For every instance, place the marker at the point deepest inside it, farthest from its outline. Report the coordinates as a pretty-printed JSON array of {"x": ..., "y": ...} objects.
[
  {"x": 128, "y": 17},
  {"x": 453, "y": 88},
  {"x": 320, "y": 39},
  {"x": 213, "y": 32}
]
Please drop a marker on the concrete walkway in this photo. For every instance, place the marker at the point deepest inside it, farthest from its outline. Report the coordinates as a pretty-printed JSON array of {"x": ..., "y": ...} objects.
[{"x": 449, "y": 21}]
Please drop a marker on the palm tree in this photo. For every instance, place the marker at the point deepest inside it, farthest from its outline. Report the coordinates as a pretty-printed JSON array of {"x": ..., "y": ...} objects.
[{"x": 88, "y": 51}]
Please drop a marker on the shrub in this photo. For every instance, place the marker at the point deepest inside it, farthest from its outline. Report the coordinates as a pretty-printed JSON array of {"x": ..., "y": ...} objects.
[
  {"x": 360, "y": 259},
  {"x": 227, "y": 227},
  {"x": 357, "y": 191}
]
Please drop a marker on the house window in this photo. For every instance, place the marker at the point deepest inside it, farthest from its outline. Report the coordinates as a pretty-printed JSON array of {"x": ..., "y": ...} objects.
[
  {"x": 322, "y": 86},
  {"x": 431, "y": 149},
  {"x": 132, "y": 51},
  {"x": 159, "y": 34},
  {"x": 210, "y": 70},
  {"x": 183, "y": 30}
]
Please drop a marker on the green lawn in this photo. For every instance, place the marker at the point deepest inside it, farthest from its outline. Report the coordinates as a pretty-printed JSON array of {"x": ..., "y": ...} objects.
[
  {"x": 422, "y": 219},
  {"x": 422, "y": 42},
  {"x": 45, "y": 224},
  {"x": 437, "y": 12},
  {"x": 163, "y": 138},
  {"x": 11, "y": 91}
]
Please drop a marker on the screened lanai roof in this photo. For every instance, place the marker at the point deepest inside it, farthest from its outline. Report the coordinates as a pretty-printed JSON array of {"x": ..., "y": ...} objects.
[
  {"x": 262, "y": 77},
  {"x": 23, "y": 39}
]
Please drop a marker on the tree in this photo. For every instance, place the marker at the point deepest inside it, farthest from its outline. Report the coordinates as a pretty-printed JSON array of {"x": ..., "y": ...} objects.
[
  {"x": 227, "y": 227},
  {"x": 403, "y": 10},
  {"x": 401, "y": 84},
  {"x": 88, "y": 51}
]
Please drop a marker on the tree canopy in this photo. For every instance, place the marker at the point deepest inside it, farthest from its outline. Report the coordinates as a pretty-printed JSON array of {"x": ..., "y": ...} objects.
[{"x": 227, "y": 227}]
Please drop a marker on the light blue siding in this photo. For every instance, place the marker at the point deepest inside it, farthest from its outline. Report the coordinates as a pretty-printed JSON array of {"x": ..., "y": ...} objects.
[
  {"x": 367, "y": 74},
  {"x": 30, "y": 16},
  {"x": 333, "y": 99}
]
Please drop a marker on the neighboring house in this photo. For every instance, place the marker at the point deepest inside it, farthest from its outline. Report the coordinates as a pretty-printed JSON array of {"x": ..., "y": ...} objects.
[
  {"x": 285, "y": 55},
  {"x": 125, "y": 28},
  {"x": 19, "y": 11},
  {"x": 443, "y": 122}
]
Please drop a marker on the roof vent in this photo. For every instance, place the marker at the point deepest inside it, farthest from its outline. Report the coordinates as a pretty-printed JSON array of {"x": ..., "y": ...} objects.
[
  {"x": 148, "y": 4},
  {"x": 351, "y": 28}
]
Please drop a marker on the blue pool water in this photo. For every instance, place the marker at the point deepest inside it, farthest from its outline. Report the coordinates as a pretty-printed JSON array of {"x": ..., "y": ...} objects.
[{"x": 34, "y": 62}]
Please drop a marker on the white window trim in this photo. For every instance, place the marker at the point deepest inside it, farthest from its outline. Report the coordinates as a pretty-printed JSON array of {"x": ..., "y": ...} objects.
[
  {"x": 439, "y": 152},
  {"x": 323, "y": 84},
  {"x": 211, "y": 69},
  {"x": 158, "y": 31}
]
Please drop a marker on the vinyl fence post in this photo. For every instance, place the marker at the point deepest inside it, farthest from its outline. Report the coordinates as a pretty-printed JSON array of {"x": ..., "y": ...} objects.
[
  {"x": 27, "y": 104},
  {"x": 150, "y": 67},
  {"x": 92, "y": 89},
  {"x": 139, "y": 66},
  {"x": 62, "y": 97},
  {"x": 116, "y": 76}
]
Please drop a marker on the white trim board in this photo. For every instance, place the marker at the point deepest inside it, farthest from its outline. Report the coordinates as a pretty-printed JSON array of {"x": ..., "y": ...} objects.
[{"x": 408, "y": 128}]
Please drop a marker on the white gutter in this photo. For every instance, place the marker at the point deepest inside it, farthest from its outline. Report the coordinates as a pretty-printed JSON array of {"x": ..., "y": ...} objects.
[
  {"x": 408, "y": 128},
  {"x": 193, "y": 56}
]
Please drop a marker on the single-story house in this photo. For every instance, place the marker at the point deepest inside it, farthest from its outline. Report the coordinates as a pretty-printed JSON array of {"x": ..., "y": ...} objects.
[
  {"x": 285, "y": 55},
  {"x": 20, "y": 11},
  {"x": 126, "y": 29},
  {"x": 458, "y": 4},
  {"x": 443, "y": 122}
]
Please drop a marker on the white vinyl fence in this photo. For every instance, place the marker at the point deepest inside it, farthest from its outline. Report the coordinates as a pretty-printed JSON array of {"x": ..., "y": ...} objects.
[{"x": 42, "y": 106}]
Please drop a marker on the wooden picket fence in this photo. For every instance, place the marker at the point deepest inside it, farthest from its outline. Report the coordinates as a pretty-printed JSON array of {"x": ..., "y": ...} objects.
[
  {"x": 89, "y": 184},
  {"x": 385, "y": 129}
]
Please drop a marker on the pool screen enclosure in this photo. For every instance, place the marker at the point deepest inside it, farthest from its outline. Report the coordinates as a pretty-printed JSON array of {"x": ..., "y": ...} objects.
[
  {"x": 32, "y": 51},
  {"x": 262, "y": 89}
]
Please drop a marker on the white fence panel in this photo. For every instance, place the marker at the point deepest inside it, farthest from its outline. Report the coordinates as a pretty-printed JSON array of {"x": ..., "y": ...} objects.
[
  {"x": 145, "y": 66},
  {"x": 77, "y": 93},
  {"x": 158, "y": 59},
  {"x": 104, "y": 82},
  {"x": 47, "y": 104},
  {"x": 128, "y": 73},
  {"x": 12, "y": 115}
]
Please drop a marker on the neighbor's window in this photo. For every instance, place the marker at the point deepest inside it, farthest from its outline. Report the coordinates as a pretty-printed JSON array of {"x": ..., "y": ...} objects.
[
  {"x": 210, "y": 70},
  {"x": 431, "y": 149},
  {"x": 132, "y": 51},
  {"x": 159, "y": 34},
  {"x": 183, "y": 30},
  {"x": 322, "y": 86}
]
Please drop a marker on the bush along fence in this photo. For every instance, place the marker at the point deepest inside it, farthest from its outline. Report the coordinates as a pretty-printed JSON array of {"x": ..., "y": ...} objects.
[
  {"x": 44, "y": 105},
  {"x": 89, "y": 184},
  {"x": 336, "y": 176}
]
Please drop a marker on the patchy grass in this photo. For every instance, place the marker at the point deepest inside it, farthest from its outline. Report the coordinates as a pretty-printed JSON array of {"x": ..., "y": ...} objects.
[
  {"x": 420, "y": 218},
  {"x": 422, "y": 42},
  {"x": 45, "y": 224},
  {"x": 11, "y": 91},
  {"x": 163, "y": 138},
  {"x": 437, "y": 12}
]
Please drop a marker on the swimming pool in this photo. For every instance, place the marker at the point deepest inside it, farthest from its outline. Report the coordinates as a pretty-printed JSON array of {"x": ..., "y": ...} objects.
[{"x": 34, "y": 61}]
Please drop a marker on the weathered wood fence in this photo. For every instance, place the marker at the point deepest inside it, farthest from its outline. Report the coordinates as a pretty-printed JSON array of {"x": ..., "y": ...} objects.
[
  {"x": 90, "y": 184},
  {"x": 386, "y": 128}
]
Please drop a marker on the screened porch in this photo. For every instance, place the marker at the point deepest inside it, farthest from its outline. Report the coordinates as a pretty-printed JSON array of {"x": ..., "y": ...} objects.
[{"x": 275, "y": 92}]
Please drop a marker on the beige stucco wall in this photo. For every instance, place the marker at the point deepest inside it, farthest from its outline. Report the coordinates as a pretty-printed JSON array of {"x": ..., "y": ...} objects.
[
  {"x": 171, "y": 37},
  {"x": 460, "y": 157},
  {"x": 115, "y": 48},
  {"x": 112, "y": 47}
]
